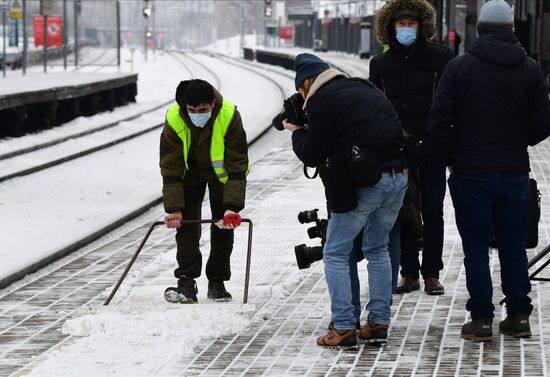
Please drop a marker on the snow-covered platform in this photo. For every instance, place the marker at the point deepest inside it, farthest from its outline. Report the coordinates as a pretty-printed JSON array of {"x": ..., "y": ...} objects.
[
  {"x": 290, "y": 306},
  {"x": 284, "y": 57},
  {"x": 38, "y": 101}
]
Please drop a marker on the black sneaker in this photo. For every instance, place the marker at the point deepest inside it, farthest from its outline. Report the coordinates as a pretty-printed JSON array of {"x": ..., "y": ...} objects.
[
  {"x": 478, "y": 330},
  {"x": 516, "y": 325},
  {"x": 217, "y": 292},
  {"x": 184, "y": 293}
]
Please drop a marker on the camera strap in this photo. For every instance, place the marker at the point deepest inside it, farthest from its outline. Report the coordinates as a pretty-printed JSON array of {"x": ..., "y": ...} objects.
[{"x": 315, "y": 174}]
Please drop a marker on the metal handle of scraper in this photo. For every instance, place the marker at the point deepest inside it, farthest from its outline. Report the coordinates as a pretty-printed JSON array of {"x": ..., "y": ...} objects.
[{"x": 208, "y": 221}]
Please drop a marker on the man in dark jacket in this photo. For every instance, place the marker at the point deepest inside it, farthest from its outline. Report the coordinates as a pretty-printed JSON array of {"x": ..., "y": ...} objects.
[
  {"x": 346, "y": 115},
  {"x": 408, "y": 74},
  {"x": 490, "y": 105},
  {"x": 203, "y": 143}
]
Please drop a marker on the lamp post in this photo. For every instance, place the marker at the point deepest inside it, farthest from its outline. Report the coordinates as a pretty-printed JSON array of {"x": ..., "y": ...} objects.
[
  {"x": 25, "y": 43},
  {"x": 241, "y": 40},
  {"x": 76, "y": 11},
  {"x": 147, "y": 11},
  {"x": 4, "y": 9},
  {"x": 118, "y": 34},
  {"x": 65, "y": 35}
]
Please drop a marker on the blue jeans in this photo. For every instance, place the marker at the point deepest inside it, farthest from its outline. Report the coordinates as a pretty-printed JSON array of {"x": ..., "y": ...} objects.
[
  {"x": 376, "y": 213},
  {"x": 482, "y": 200},
  {"x": 394, "y": 247}
]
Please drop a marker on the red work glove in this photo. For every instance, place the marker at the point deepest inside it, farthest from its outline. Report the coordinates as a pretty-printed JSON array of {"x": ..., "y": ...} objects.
[{"x": 231, "y": 219}]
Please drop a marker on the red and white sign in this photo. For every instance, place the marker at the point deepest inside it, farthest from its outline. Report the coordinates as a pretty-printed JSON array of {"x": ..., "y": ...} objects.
[
  {"x": 54, "y": 30},
  {"x": 285, "y": 32},
  {"x": 452, "y": 35}
]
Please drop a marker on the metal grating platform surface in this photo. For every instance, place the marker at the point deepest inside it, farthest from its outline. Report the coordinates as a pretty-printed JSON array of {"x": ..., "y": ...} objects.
[
  {"x": 425, "y": 331},
  {"x": 292, "y": 306}
]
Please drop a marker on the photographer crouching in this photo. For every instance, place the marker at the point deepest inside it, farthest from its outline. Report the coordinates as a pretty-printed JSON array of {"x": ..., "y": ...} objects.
[{"x": 354, "y": 131}]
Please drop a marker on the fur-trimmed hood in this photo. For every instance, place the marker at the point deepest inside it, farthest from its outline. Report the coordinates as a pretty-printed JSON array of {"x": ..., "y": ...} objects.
[{"x": 384, "y": 18}]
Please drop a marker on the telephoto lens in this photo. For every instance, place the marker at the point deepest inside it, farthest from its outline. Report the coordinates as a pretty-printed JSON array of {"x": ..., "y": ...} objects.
[
  {"x": 308, "y": 216},
  {"x": 277, "y": 121},
  {"x": 306, "y": 255},
  {"x": 314, "y": 232},
  {"x": 319, "y": 230}
]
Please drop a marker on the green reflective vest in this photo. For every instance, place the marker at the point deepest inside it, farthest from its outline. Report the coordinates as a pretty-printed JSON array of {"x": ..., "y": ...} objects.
[{"x": 217, "y": 146}]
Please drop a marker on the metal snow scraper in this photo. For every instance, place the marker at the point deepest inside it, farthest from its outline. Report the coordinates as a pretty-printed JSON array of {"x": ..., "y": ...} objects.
[{"x": 205, "y": 221}]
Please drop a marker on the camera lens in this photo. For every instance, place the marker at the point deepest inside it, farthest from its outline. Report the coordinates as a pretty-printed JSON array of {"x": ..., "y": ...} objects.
[
  {"x": 314, "y": 232},
  {"x": 308, "y": 216},
  {"x": 306, "y": 255},
  {"x": 277, "y": 122}
]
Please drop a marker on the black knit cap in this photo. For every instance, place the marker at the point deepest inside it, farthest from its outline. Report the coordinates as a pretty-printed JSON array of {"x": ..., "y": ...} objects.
[{"x": 307, "y": 65}]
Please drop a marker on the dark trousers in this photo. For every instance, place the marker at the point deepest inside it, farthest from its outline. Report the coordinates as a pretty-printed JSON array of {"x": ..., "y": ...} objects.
[
  {"x": 500, "y": 200},
  {"x": 188, "y": 236},
  {"x": 432, "y": 186}
]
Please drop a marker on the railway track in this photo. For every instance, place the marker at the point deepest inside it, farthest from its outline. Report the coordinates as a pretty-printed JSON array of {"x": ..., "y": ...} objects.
[
  {"x": 34, "y": 159},
  {"x": 31, "y": 159}
]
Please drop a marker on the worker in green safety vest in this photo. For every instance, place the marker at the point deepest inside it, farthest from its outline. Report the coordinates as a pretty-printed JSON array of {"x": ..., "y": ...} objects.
[{"x": 203, "y": 143}]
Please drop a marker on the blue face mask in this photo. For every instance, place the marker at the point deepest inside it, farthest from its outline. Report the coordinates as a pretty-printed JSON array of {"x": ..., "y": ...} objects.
[
  {"x": 200, "y": 119},
  {"x": 406, "y": 35}
]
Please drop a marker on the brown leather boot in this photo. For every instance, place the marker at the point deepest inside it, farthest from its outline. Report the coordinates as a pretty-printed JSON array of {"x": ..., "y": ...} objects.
[
  {"x": 433, "y": 287},
  {"x": 407, "y": 285},
  {"x": 374, "y": 334},
  {"x": 338, "y": 339}
]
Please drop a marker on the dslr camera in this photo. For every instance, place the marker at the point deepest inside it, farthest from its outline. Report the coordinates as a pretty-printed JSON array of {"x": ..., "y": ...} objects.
[
  {"x": 292, "y": 111},
  {"x": 306, "y": 255}
]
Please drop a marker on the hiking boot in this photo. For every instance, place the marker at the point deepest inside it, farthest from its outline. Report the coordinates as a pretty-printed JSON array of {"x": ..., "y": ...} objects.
[
  {"x": 407, "y": 285},
  {"x": 343, "y": 339},
  {"x": 184, "y": 293},
  {"x": 478, "y": 330},
  {"x": 433, "y": 287},
  {"x": 373, "y": 333},
  {"x": 516, "y": 325},
  {"x": 217, "y": 292}
]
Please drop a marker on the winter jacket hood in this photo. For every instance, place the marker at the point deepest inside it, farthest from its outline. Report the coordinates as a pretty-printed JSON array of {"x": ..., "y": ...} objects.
[
  {"x": 499, "y": 47},
  {"x": 321, "y": 80},
  {"x": 384, "y": 24},
  {"x": 489, "y": 107}
]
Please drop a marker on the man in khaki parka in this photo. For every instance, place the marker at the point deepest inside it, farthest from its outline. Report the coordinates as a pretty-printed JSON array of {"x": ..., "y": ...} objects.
[{"x": 203, "y": 143}]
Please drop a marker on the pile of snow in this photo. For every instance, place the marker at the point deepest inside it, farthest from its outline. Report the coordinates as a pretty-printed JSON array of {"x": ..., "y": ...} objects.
[{"x": 138, "y": 342}]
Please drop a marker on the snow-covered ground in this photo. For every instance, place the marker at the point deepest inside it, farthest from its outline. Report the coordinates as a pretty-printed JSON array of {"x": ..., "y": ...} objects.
[{"x": 141, "y": 335}]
